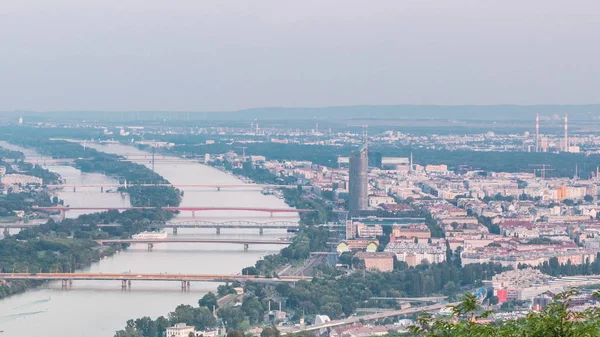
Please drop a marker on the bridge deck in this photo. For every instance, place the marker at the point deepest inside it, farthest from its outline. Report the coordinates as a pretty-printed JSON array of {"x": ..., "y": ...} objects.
[
  {"x": 146, "y": 277},
  {"x": 194, "y": 209},
  {"x": 176, "y": 240}
]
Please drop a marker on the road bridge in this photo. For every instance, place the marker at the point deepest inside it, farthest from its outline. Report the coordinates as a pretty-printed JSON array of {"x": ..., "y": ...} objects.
[
  {"x": 151, "y": 242},
  {"x": 356, "y": 319},
  {"x": 271, "y": 211},
  {"x": 185, "y": 279},
  {"x": 218, "y": 187},
  {"x": 175, "y": 225}
]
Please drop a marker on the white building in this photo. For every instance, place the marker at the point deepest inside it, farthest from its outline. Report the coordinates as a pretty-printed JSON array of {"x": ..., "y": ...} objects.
[
  {"x": 320, "y": 319},
  {"x": 418, "y": 253},
  {"x": 180, "y": 330},
  {"x": 366, "y": 231},
  {"x": 378, "y": 200}
]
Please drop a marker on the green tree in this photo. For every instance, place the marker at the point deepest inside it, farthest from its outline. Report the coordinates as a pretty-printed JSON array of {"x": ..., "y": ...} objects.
[
  {"x": 210, "y": 301},
  {"x": 270, "y": 331},
  {"x": 129, "y": 331},
  {"x": 555, "y": 320},
  {"x": 252, "y": 308},
  {"x": 235, "y": 333},
  {"x": 232, "y": 317}
]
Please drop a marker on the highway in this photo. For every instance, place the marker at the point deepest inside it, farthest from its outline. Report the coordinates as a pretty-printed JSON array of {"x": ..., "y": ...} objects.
[{"x": 356, "y": 319}]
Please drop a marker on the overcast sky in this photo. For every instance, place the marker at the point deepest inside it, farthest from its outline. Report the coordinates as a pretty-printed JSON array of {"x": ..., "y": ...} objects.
[{"x": 236, "y": 54}]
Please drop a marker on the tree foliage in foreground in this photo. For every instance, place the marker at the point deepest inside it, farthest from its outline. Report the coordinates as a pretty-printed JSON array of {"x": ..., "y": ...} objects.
[{"x": 555, "y": 320}]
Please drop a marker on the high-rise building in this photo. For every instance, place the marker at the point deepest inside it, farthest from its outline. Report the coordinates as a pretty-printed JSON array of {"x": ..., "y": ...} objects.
[{"x": 359, "y": 195}]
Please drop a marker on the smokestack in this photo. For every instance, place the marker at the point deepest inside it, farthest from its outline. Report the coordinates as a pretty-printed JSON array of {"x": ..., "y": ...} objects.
[
  {"x": 279, "y": 305},
  {"x": 537, "y": 132},
  {"x": 566, "y": 134},
  {"x": 269, "y": 306}
]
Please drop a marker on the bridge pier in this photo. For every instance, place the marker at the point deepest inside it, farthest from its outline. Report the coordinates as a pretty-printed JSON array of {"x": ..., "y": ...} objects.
[
  {"x": 101, "y": 189},
  {"x": 64, "y": 284},
  {"x": 125, "y": 284},
  {"x": 246, "y": 246},
  {"x": 193, "y": 214},
  {"x": 271, "y": 214},
  {"x": 150, "y": 246},
  {"x": 218, "y": 230},
  {"x": 218, "y": 188},
  {"x": 63, "y": 214},
  {"x": 185, "y": 285},
  {"x": 260, "y": 231},
  {"x": 174, "y": 230},
  {"x": 5, "y": 232},
  {"x": 74, "y": 189}
]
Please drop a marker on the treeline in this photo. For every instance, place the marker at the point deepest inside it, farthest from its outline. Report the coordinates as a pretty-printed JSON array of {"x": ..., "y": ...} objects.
[
  {"x": 38, "y": 171},
  {"x": 307, "y": 240},
  {"x": 563, "y": 164},
  {"x": 23, "y": 201},
  {"x": 339, "y": 296},
  {"x": 10, "y": 155},
  {"x": 554, "y": 268},
  {"x": 250, "y": 312},
  {"x": 8, "y": 158}
]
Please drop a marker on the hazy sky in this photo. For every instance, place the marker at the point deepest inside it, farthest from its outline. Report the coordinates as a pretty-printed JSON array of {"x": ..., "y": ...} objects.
[{"x": 235, "y": 54}]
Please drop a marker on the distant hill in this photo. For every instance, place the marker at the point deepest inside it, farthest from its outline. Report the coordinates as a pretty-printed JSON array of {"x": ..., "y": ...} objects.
[
  {"x": 459, "y": 112},
  {"x": 473, "y": 112}
]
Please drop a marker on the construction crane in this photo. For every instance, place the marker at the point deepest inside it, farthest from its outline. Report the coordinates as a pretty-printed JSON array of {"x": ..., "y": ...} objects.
[
  {"x": 543, "y": 168},
  {"x": 243, "y": 152}
]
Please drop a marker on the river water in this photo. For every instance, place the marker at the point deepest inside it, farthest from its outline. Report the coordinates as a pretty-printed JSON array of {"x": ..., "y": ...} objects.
[{"x": 98, "y": 308}]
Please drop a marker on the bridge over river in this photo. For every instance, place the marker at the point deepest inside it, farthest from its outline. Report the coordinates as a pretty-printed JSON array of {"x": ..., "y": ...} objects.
[
  {"x": 175, "y": 225},
  {"x": 185, "y": 279},
  {"x": 151, "y": 242}
]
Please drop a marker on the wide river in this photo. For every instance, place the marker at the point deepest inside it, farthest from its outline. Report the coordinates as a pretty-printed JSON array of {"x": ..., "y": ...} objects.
[{"x": 99, "y": 308}]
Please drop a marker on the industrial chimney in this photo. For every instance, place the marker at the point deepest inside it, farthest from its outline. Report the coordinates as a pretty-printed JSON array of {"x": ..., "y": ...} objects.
[
  {"x": 566, "y": 134},
  {"x": 537, "y": 132}
]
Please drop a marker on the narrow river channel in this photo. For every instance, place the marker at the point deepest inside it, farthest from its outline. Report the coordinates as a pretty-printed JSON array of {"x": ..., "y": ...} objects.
[{"x": 98, "y": 308}]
